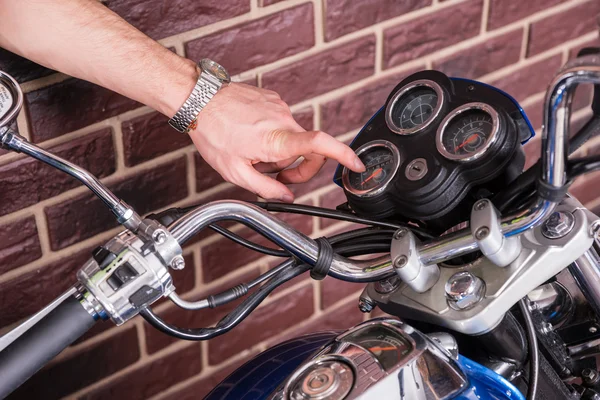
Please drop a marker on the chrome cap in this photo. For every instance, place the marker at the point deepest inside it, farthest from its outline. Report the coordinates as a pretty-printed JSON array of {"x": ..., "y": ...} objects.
[
  {"x": 558, "y": 225},
  {"x": 464, "y": 290}
]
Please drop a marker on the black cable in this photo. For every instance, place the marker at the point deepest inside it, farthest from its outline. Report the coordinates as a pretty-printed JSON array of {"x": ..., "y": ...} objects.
[
  {"x": 338, "y": 215},
  {"x": 582, "y": 166},
  {"x": 534, "y": 357},
  {"x": 247, "y": 243}
]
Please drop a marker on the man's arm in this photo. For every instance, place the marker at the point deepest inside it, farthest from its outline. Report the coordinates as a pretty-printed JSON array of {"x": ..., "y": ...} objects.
[{"x": 243, "y": 130}]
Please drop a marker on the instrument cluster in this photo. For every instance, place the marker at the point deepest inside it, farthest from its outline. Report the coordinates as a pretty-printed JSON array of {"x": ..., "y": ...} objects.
[{"x": 435, "y": 147}]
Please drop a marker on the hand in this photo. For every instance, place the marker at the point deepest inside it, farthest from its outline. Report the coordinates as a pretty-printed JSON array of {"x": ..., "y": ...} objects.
[{"x": 245, "y": 132}]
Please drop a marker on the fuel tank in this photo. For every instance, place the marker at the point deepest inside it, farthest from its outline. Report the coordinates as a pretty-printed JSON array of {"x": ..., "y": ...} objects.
[{"x": 378, "y": 359}]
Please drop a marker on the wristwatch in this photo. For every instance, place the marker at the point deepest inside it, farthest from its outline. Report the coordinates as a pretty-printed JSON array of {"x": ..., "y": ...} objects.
[{"x": 211, "y": 78}]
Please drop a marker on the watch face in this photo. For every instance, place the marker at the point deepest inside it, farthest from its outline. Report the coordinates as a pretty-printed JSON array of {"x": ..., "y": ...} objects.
[{"x": 215, "y": 70}]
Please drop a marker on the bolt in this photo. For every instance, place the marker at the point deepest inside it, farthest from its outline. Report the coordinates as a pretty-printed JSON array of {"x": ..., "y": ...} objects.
[
  {"x": 482, "y": 233},
  {"x": 159, "y": 236},
  {"x": 400, "y": 261},
  {"x": 387, "y": 285},
  {"x": 470, "y": 88},
  {"x": 546, "y": 327},
  {"x": 400, "y": 233},
  {"x": 365, "y": 305},
  {"x": 590, "y": 376},
  {"x": 558, "y": 225},
  {"x": 178, "y": 263},
  {"x": 593, "y": 329},
  {"x": 481, "y": 204}
]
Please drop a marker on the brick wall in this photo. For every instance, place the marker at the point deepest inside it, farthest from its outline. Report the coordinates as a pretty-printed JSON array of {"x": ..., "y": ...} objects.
[{"x": 334, "y": 61}]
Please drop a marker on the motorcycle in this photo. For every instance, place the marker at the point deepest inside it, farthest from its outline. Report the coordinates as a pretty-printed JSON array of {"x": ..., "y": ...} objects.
[{"x": 479, "y": 261}]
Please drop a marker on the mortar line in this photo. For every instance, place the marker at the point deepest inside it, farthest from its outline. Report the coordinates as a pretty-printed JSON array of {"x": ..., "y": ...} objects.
[
  {"x": 43, "y": 231},
  {"x": 485, "y": 16}
]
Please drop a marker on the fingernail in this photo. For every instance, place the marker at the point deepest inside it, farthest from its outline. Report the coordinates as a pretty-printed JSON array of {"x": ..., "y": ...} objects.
[
  {"x": 360, "y": 167},
  {"x": 287, "y": 198}
]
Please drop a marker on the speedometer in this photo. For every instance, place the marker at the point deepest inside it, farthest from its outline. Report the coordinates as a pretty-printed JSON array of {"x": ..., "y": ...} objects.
[
  {"x": 468, "y": 132},
  {"x": 414, "y": 107},
  {"x": 381, "y": 159}
]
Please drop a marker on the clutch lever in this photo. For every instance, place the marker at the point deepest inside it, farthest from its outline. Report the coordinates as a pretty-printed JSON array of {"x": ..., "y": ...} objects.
[{"x": 11, "y": 102}]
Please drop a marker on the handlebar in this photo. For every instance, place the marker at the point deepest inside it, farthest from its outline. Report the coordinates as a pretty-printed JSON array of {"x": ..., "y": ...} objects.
[{"x": 42, "y": 342}]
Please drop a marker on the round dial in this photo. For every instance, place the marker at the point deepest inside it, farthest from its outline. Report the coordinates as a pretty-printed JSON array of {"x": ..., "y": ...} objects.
[
  {"x": 381, "y": 159},
  {"x": 468, "y": 132},
  {"x": 414, "y": 107}
]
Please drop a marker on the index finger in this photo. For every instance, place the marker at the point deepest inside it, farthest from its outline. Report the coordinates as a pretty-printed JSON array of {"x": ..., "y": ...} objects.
[{"x": 299, "y": 143}]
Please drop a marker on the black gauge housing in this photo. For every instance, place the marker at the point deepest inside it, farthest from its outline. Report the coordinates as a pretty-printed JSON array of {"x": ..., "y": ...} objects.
[{"x": 428, "y": 187}]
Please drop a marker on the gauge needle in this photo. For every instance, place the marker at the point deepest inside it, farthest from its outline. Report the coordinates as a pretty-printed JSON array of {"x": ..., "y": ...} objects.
[
  {"x": 466, "y": 142},
  {"x": 373, "y": 175},
  {"x": 377, "y": 348}
]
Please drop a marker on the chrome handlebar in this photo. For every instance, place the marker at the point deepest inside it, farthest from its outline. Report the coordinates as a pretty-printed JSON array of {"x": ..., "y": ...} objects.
[{"x": 556, "y": 119}]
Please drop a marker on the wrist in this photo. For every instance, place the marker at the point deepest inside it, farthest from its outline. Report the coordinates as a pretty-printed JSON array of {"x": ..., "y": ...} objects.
[{"x": 182, "y": 80}]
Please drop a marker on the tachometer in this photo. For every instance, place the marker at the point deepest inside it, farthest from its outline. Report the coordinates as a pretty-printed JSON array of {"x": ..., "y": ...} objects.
[
  {"x": 382, "y": 159},
  {"x": 468, "y": 132},
  {"x": 414, "y": 107}
]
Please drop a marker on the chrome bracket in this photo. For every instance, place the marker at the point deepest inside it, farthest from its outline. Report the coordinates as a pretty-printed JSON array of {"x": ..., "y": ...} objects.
[
  {"x": 407, "y": 264},
  {"x": 487, "y": 231}
]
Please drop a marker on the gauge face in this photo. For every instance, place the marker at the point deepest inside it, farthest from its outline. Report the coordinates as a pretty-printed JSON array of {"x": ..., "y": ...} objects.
[
  {"x": 467, "y": 133},
  {"x": 387, "y": 346},
  {"x": 414, "y": 107},
  {"x": 381, "y": 160}
]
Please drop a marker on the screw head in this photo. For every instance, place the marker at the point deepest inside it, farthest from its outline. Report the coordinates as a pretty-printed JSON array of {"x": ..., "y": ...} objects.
[
  {"x": 178, "y": 263},
  {"x": 558, "y": 225},
  {"x": 593, "y": 329},
  {"x": 400, "y": 261},
  {"x": 481, "y": 204},
  {"x": 159, "y": 236},
  {"x": 400, "y": 233},
  {"x": 482, "y": 233},
  {"x": 589, "y": 375},
  {"x": 366, "y": 306}
]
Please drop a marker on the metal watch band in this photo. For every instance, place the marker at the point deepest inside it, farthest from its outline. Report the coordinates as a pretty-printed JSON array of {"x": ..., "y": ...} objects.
[{"x": 204, "y": 90}]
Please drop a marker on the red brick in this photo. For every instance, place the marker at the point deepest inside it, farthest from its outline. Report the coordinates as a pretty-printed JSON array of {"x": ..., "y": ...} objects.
[
  {"x": 162, "y": 18},
  {"x": 19, "y": 244},
  {"x": 258, "y": 42},
  {"x": 483, "y": 58},
  {"x": 80, "y": 370},
  {"x": 27, "y": 181},
  {"x": 150, "y": 136},
  {"x": 323, "y": 72},
  {"x": 268, "y": 2},
  {"x": 21, "y": 68},
  {"x": 529, "y": 80},
  {"x": 304, "y": 118},
  {"x": 156, "y": 340},
  {"x": 340, "y": 319},
  {"x": 225, "y": 256},
  {"x": 532, "y": 151},
  {"x": 206, "y": 176},
  {"x": 504, "y": 12},
  {"x": 331, "y": 200},
  {"x": 71, "y": 105},
  {"x": 556, "y": 29},
  {"x": 535, "y": 113},
  {"x": 427, "y": 34},
  {"x": 345, "y": 16},
  {"x": 265, "y": 322},
  {"x": 154, "y": 377},
  {"x": 586, "y": 188},
  {"x": 333, "y": 290},
  {"x": 354, "y": 109},
  {"x": 28, "y": 293},
  {"x": 84, "y": 216}
]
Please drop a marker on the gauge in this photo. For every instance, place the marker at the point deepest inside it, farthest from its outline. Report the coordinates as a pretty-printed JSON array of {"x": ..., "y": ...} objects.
[
  {"x": 387, "y": 346},
  {"x": 414, "y": 107},
  {"x": 468, "y": 132},
  {"x": 381, "y": 159}
]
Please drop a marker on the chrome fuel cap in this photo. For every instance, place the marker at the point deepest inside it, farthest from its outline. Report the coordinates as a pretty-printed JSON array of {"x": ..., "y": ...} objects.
[
  {"x": 464, "y": 290},
  {"x": 329, "y": 379}
]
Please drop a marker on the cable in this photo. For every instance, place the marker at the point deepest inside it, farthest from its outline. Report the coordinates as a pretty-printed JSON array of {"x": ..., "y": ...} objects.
[
  {"x": 247, "y": 243},
  {"x": 338, "y": 215},
  {"x": 582, "y": 166},
  {"x": 534, "y": 357}
]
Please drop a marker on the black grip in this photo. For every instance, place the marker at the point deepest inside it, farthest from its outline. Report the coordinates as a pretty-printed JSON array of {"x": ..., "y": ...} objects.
[{"x": 41, "y": 343}]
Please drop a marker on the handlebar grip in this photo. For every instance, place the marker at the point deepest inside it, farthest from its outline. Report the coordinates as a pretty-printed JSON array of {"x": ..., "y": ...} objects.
[{"x": 41, "y": 343}]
